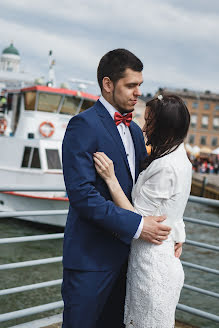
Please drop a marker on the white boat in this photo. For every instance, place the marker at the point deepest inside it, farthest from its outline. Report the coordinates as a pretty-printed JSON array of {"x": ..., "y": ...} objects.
[{"x": 32, "y": 126}]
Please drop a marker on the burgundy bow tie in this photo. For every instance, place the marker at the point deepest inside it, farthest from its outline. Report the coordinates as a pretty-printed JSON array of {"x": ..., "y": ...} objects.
[{"x": 126, "y": 119}]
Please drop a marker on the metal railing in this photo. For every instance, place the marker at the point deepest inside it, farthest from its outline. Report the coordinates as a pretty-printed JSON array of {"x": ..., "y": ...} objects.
[{"x": 59, "y": 304}]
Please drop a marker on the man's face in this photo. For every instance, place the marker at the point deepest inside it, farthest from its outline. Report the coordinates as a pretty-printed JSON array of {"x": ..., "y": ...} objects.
[{"x": 126, "y": 91}]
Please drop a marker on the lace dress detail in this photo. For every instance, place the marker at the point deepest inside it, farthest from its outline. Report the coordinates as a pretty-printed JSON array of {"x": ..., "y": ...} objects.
[{"x": 154, "y": 280}]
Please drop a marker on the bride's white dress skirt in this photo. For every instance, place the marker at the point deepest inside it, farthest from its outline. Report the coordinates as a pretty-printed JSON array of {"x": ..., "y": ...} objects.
[{"x": 154, "y": 280}]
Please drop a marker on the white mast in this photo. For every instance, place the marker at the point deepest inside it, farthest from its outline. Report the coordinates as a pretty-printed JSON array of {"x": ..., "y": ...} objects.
[{"x": 52, "y": 79}]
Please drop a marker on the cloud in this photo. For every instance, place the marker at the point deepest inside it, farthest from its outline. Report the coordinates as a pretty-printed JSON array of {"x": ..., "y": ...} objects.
[
  {"x": 177, "y": 41},
  {"x": 36, "y": 43},
  {"x": 163, "y": 18}
]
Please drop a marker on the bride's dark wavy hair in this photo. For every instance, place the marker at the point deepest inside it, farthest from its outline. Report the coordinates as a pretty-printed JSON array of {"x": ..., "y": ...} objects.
[{"x": 166, "y": 125}]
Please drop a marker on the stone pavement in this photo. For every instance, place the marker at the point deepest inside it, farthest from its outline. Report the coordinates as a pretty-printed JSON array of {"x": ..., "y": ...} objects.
[
  {"x": 55, "y": 322},
  {"x": 178, "y": 325}
]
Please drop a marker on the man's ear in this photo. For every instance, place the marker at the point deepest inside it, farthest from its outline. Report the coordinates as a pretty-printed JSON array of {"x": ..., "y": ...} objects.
[{"x": 107, "y": 84}]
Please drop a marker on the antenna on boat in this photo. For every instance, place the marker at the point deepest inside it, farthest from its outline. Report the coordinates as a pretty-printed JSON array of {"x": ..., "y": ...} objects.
[
  {"x": 52, "y": 79},
  {"x": 82, "y": 84}
]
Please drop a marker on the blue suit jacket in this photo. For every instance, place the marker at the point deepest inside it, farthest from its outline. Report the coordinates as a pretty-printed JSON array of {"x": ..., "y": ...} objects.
[{"x": 97, "y": 233}]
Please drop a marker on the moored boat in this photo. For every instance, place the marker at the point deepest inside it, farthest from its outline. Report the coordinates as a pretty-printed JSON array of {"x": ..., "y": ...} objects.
[{"x": 32, "y": 126}]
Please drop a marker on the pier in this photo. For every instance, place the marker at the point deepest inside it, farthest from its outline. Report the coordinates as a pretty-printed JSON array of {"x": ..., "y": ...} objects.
[{"x": 205, "y": 185}]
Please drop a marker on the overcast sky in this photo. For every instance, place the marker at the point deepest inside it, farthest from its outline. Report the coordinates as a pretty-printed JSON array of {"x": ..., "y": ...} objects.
[{"x": 177, "y": 40}]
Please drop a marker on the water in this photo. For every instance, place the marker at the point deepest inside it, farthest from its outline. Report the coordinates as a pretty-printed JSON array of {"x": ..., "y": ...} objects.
[
  {"x": 25, "y": 276},
  {"x": 202, "y": 257},
  {"x": 51, "y": 248}
]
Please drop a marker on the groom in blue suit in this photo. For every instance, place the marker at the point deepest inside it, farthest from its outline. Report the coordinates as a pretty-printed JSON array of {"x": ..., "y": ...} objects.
[{"x": 98, "y": 233}]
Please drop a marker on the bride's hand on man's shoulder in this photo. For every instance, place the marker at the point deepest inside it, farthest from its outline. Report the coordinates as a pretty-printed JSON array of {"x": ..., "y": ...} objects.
[{"x": 104, "y": 166}]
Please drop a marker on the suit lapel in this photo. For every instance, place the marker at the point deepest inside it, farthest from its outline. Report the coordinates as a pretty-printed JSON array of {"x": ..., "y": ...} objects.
[{"x": 110, "y": 125}]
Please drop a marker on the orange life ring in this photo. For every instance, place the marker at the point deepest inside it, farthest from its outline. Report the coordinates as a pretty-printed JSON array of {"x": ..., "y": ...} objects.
[
  {"x": 48, "y": 133},
  {"x": 3, "y": 125}
]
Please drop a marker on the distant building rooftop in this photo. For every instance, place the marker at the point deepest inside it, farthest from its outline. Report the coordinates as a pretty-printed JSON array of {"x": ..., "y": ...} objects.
[{"x": 208, "y": 95}]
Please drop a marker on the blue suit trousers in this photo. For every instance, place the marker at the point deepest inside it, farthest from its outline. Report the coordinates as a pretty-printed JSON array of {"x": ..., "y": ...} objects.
[{"x": 94, "y": 299}]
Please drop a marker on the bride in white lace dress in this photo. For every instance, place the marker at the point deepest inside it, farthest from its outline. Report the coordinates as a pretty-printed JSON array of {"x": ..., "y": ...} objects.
[{"x": 155, "y": 275}]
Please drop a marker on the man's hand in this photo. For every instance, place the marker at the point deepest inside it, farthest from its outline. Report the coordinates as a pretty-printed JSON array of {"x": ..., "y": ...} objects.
[
  {"x": 178, "y": 249},
  {"x": 153, "y": 231}
]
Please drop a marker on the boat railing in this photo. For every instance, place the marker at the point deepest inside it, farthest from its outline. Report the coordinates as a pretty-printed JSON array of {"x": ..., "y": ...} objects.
[{"x": 59, "y": 304}]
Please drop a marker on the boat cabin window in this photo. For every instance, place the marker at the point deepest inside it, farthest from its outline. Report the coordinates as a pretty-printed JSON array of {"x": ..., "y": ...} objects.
[
  {"x": 31, "y": 158},
  {"x": 9, "y": 101},
  {"x": 26, "y": 157},
  {"x": 48, "y": 102},
  {"x": 53, "y": 159},
  {"x": 29, "y": 100},
  {"x": 16, "y": 107},
  {"x": 70, "y": 105},
  {"x": 35, "y": 163},
  {"x": 87, "y": 104}
]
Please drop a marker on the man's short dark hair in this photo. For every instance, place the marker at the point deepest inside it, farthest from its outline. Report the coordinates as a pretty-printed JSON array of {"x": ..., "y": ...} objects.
[{"x": 114, "y": 63}]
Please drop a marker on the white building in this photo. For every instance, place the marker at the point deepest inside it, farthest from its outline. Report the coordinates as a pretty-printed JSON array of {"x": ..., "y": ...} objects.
[
  {"x": 11, "y": 77},
  {"x": 10, "y": 59}
]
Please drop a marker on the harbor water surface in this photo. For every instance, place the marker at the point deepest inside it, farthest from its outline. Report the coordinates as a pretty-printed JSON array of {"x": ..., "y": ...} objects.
[{"x": 44, "y": 249}]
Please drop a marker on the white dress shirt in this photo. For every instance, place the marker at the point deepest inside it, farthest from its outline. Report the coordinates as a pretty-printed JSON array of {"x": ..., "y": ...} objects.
[{"x": 129, "y": 148}]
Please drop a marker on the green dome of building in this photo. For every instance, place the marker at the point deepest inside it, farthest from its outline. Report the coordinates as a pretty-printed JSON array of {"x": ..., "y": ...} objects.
[{"x": 11, "y": 50}]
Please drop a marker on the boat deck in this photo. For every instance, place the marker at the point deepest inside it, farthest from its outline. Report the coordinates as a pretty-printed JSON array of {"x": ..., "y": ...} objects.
[
  {"x": 212, "y": 179},
  {"x": 205, "y": 185}
]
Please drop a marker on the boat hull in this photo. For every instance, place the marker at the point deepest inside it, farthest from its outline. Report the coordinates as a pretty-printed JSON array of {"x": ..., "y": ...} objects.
[{"x": 14, "y": 201}]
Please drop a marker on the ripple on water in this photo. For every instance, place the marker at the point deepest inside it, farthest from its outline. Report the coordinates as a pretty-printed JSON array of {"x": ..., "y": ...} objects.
[{"x": 202, "y": 257}]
